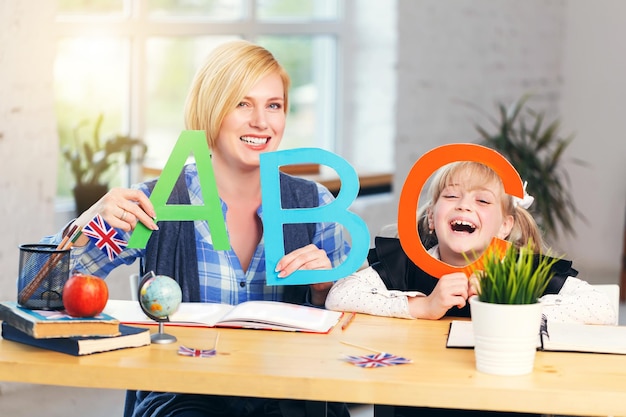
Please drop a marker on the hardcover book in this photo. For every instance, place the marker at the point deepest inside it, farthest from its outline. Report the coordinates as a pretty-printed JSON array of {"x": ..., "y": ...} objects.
[
  {"x": 264, "y": 315},
  {"x": 44, "y": 324},
  {"x": 78, "y": 346}
]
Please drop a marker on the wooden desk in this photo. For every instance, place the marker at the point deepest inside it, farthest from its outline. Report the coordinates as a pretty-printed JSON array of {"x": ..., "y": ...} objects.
[{"x": 308, "y": 366}]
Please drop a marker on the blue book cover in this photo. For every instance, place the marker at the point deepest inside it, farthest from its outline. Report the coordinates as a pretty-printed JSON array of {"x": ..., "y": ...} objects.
[
  {"x": 56, "y": 323},
  {"x": 130, "y": 336}
]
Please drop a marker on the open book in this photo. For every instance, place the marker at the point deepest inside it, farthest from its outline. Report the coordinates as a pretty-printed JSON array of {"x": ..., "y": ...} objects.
[
  {"x": 265, "y": 315},
  {"x": 563, "y": 337}
]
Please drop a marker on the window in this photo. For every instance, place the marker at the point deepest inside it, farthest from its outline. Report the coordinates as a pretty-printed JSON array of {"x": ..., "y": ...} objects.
[{"x": 133, "y": 60}]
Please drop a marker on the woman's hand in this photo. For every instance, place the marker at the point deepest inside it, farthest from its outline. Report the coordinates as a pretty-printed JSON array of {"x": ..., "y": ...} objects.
[
  {"x": 451, "y": 290},
  {"x": 121, "y": 208},
  {"x": 308, "y": 257}
]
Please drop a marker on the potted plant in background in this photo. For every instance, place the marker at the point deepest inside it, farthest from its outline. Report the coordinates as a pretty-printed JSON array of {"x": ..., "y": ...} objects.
[
  {"x": 92, "y": 161},
  {"x": 506, "y": 313},
  {"x": 536, "y": 151}
]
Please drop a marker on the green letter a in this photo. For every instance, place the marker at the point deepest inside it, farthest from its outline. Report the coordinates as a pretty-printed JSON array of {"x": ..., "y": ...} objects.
[{"x": 189, "y": 141}]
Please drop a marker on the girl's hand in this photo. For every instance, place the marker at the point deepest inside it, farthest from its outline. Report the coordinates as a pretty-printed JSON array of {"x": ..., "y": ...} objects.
[
  {"x": 451, "y": 290},
  {"x": 474, "y": 288},
  {"x": 308, "y": 257},
  {"x": 121, "y": 208}
]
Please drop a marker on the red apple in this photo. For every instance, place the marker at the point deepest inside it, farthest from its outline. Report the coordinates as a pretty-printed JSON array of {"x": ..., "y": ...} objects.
[{"x": 85, "y": 295}]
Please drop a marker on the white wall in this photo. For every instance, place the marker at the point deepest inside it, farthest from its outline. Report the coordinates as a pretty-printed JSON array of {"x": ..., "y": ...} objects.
[
  {"x": 594, "y": 105},
  {"x": 451, "y": 53},
  {"x": 570, "y": 53},
  {"x": 28, "y": 138},
  {"x": 27, "y": 133}
]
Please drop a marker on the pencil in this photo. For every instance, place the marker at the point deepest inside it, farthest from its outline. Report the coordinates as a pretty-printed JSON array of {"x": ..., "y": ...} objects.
[
  {"x": 349, "y": 320},
  {"x": 361, "y": 347},
  {"x": 217, "y": 336}
]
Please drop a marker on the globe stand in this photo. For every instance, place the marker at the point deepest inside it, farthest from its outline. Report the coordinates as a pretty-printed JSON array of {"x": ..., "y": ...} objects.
[
  {"x": 166, "y": 285},
  {"x": 161, "y": 337}
]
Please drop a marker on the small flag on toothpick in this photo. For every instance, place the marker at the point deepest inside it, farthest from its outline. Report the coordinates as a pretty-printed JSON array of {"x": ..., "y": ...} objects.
[
  {"x": 196, "y": 353},
  {"x": 200, "y": 353},
  {"x": 377, "y": 360},
  {"x": 104, "y": 236}
]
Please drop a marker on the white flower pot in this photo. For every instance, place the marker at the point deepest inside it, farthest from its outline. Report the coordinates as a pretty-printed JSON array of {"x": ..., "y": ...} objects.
[{"x": 505, "y": 336}]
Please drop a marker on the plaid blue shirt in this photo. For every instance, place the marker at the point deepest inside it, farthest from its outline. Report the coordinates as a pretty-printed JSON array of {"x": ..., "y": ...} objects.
[{"x": 222, "y": 279}]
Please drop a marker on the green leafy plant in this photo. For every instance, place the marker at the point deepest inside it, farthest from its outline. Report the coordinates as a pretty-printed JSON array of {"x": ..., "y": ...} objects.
[
  {"x": 520, "y": 277},
  {"x": 536, "y": 151},
  {"x": 92, "y": 159}
]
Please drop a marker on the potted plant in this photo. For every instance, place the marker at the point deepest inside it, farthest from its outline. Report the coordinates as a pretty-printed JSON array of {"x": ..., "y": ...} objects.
[
  {"x": 536, "y": 151},
  {"x": 91, "y": 161},
  {"x": 506, "y": 313}
]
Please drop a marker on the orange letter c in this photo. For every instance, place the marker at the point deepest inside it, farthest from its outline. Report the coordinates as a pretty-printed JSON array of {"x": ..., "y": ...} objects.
[{"x": 412, "y": 188}]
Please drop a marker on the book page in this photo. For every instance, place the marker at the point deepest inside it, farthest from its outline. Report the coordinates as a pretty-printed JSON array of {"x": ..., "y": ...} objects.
[
  {"x": 564, "y": 337},
  {"x": 270, "y": 315},
  {"x": 200, "y": 313},
  {"x": 281, "y": 316},
  {"x": 188, "y": 314},
  {"x": 575, "y": 337},
  {"x": 461, "y": 334}
]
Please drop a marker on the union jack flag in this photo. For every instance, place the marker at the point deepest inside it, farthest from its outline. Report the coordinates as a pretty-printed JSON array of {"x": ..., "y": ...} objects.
[
  {"x": 196, "y": 353},
  {"x": 104, "y": 236},
  {"x": 377, "y": 360}
]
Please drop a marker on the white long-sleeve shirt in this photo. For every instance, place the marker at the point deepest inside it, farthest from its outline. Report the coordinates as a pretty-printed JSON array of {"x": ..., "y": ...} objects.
[{"x": 365, "y": 292}]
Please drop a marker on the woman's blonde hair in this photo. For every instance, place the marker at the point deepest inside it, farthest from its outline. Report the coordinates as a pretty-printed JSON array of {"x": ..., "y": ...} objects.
[
  {"x": 229, "y": 72},
  {"x": 524, "y": 229}
]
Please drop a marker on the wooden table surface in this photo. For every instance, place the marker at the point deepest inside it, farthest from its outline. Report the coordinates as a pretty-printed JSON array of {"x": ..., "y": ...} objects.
[{"x": 310, "y": 366}]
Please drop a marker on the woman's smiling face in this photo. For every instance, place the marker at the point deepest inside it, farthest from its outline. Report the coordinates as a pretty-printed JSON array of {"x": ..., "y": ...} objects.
[
  {"x": 467, "y": 215},
  {"x": 256, "y": 125}
]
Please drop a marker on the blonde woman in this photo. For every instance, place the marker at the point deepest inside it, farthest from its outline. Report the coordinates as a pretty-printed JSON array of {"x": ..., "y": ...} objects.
[{"x": 239, "y": 97}]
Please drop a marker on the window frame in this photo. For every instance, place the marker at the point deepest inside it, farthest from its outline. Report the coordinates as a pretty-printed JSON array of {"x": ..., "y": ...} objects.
[{"x": 136, "y": 26}]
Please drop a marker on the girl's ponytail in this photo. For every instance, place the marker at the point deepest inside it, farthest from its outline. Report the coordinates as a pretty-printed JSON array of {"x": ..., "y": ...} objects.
[{"x": 525, "y": 229}]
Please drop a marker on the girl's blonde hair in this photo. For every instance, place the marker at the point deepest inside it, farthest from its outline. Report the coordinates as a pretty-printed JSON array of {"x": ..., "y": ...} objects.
[
  {"x": 524, "y": 229},
  {"x": 229, "y": 72}
]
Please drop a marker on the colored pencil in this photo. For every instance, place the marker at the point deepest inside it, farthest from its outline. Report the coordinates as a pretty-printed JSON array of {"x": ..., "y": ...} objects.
[{"x": 348, "y": 321}]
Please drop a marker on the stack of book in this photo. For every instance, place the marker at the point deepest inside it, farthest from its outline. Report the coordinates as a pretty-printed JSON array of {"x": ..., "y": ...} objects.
[{"x": 55, "y": 330}]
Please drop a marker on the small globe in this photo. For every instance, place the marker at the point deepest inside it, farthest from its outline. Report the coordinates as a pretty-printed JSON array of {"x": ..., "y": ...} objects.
[{"x": 159, "y": 297}]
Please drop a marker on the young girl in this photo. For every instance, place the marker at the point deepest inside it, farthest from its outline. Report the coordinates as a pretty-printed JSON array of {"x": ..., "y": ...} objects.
[{"x": 467, "y": 207}]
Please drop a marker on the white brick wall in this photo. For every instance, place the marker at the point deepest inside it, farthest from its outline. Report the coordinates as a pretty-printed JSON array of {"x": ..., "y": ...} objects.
[
  {"x": 478, "y": 51},
  {"x": 28, "y": 135},
  {"x": 571, "y": 53},
  {"x": 593, "y": 104}
]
